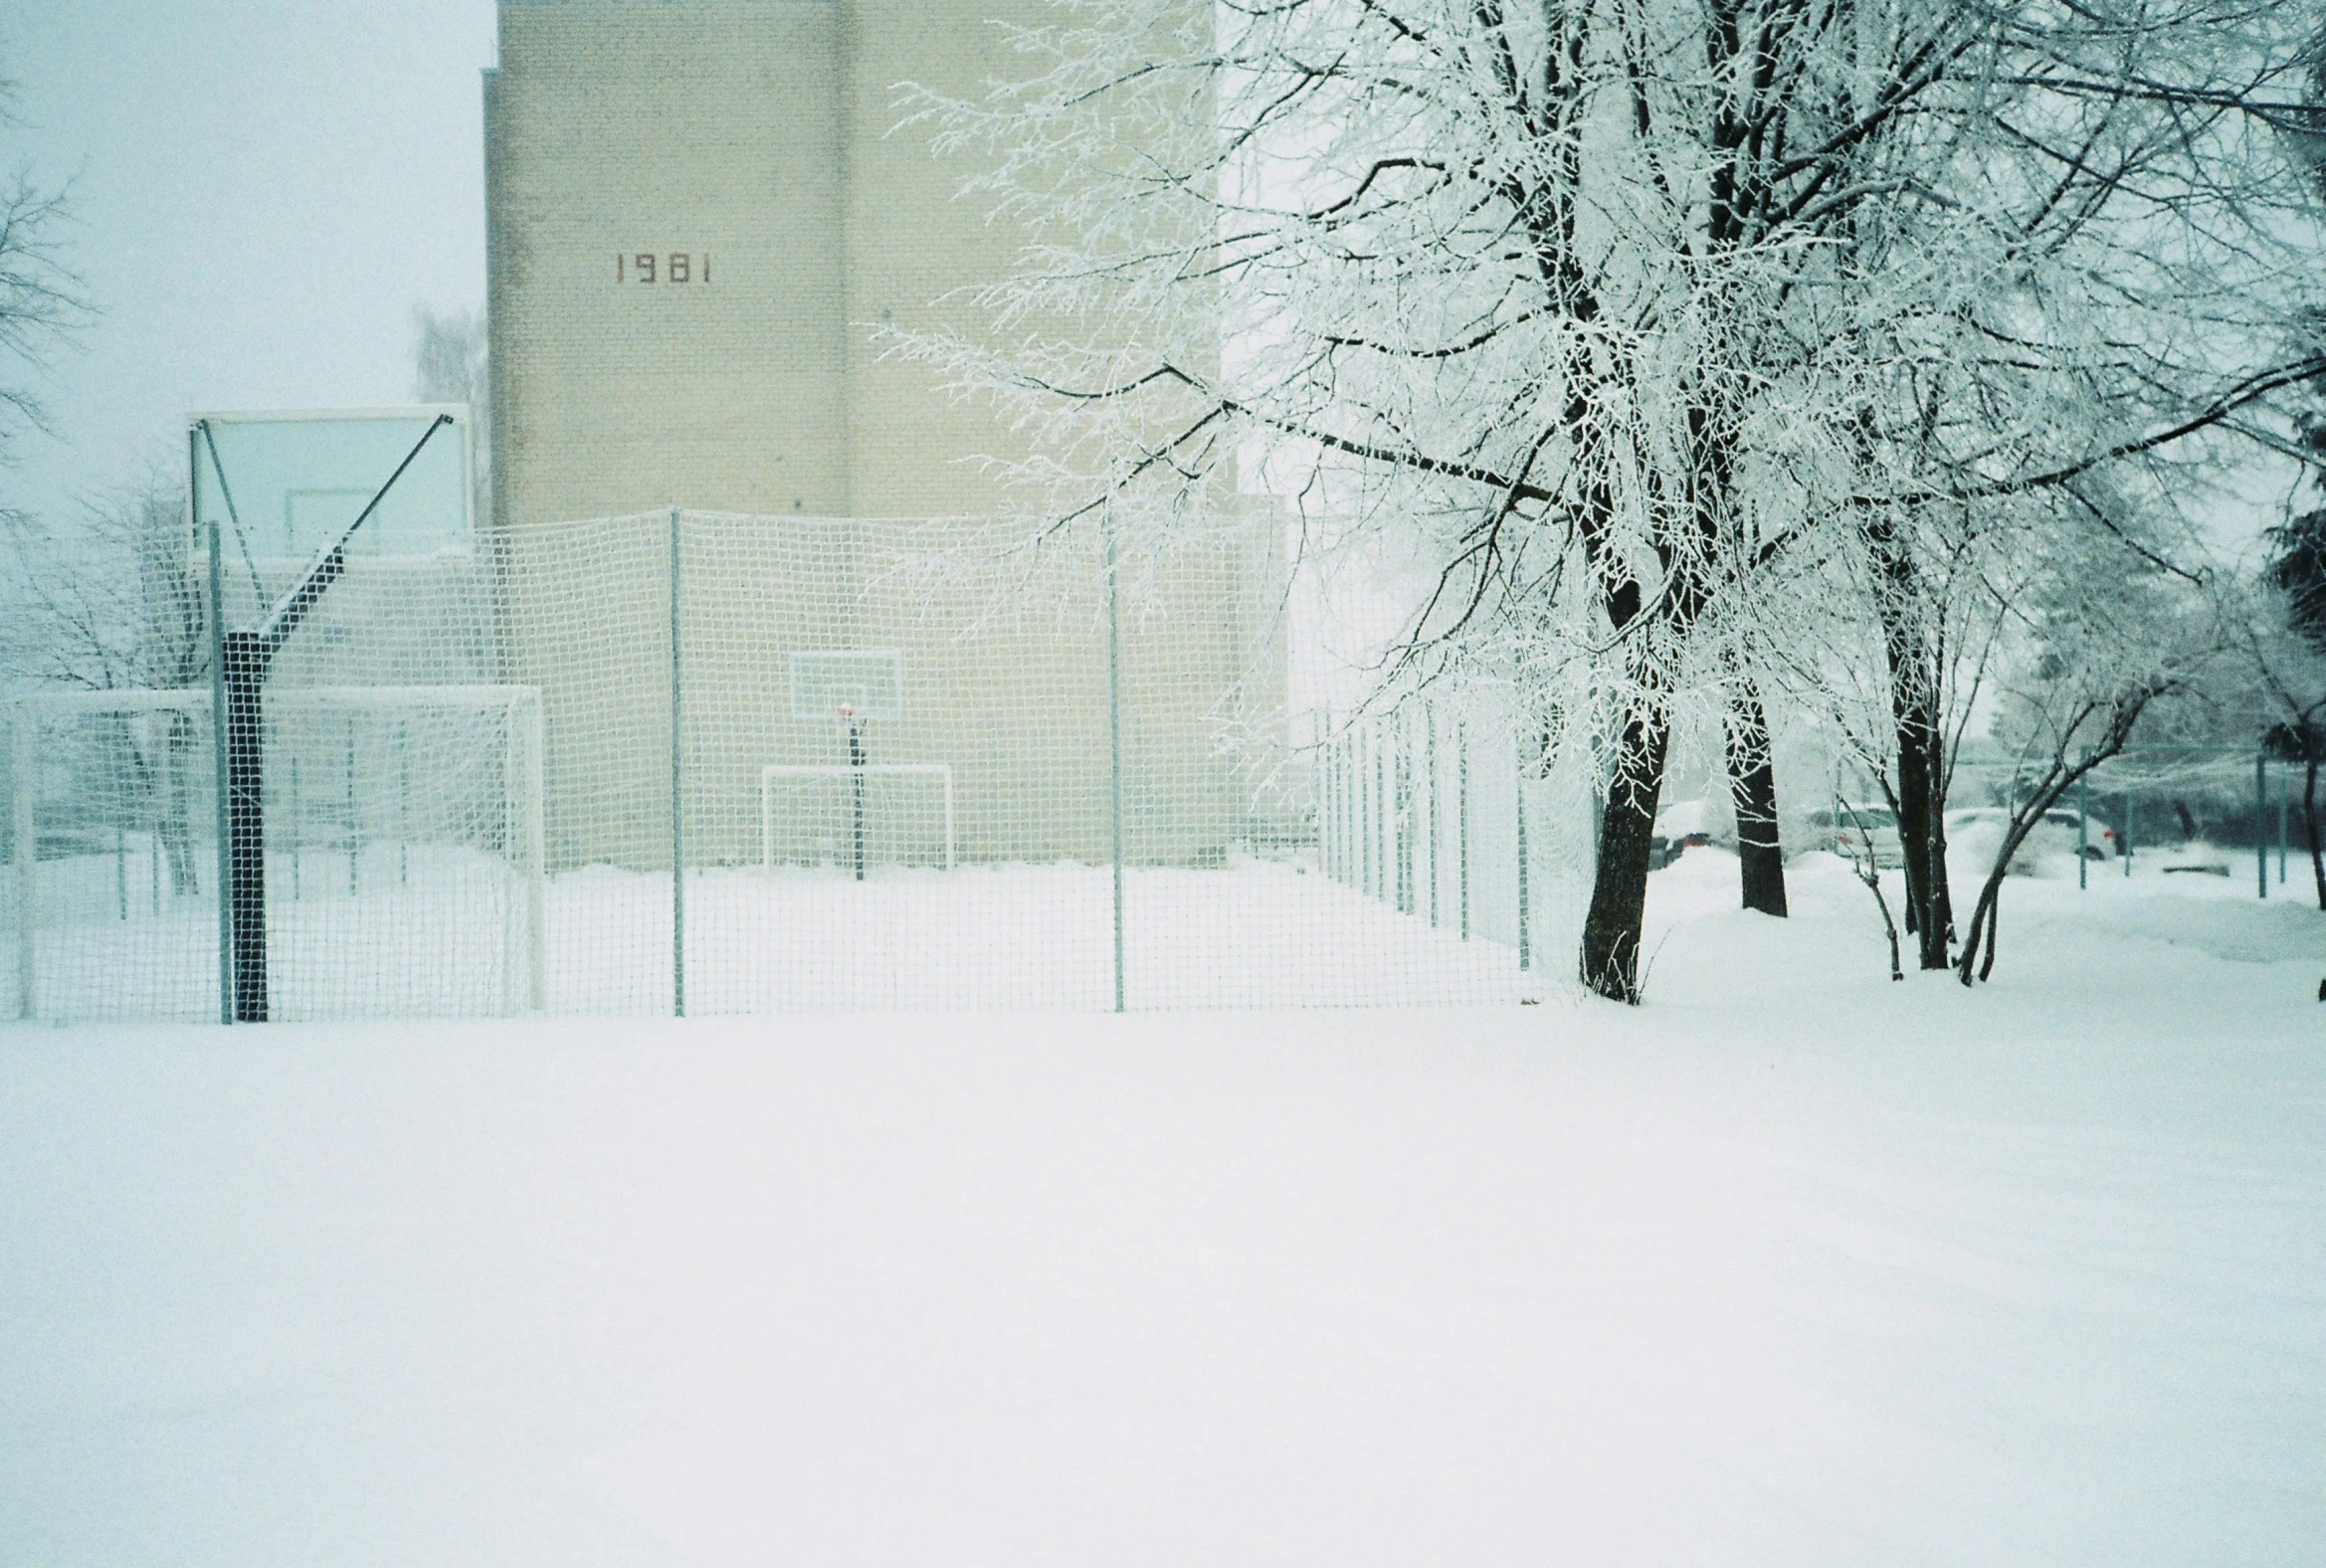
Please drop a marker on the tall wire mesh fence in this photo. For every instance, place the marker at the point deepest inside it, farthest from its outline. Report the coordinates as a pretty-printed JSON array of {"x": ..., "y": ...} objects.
[{"x": 713, "y": 763}]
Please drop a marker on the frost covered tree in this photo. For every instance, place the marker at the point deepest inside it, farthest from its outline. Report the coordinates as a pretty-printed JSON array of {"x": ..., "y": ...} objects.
[
  {"x": 1611, "y": 312},
  {"x": 449, "y": 365},
  {"x": 115, "y": 601},
  {"x": 2285, "y": 645},
  {"x": 2084, "y": 646},
  {"x": 42, "y": 301}
]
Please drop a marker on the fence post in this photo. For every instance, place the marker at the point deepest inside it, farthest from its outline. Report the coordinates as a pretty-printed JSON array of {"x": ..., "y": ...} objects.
[
  {"x": 2083, "y": 802},
  {"x": 1518, "y": 781},
  {"x": 2284, "y": 791},
  {"x": 1401, "y": 811},
  {"x": 2128, "y": 809},
  {"x": 678, "y": 816},
  {"x": 1462, "y": 818},
  {"x": 537, "y": 857},
  {"x": 1437, "y": 833},
  {"x": 219, "y": 783},
  {"x": 27, "y": 860},
  {"x": 2261, "y": 835},
  {"x": 1114, "y": 742}
]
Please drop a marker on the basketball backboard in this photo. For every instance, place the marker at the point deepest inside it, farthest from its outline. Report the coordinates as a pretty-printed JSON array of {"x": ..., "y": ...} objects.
[
  {"x": 296, "y": 481},
  {"x": 847, "y": 682}
]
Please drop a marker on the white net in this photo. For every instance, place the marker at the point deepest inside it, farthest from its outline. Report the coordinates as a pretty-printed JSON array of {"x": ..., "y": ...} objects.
[{"x": 897, "y": 764}]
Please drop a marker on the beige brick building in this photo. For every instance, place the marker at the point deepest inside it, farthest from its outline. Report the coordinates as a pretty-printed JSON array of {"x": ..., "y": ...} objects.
[{"x": 694, "y": 213}]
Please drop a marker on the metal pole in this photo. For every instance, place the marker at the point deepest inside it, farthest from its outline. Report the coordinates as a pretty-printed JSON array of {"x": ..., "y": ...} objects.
[
  {"x": 2261, "y": 837},
  {"x": 678, "y": 816},
  {"x": 1435, "y": 832},
  {"x": 1114, "y": 745},
  {"x": 1329, "y": 804},
  {"x": 162, "y": 784},
  {"x": 2128, "y": 808},
  {"x": 246, "y": 823},
  {"x": 536, "y": 861},
  {"x": 2284, "y": 790},
  {"x": 1401, "y": 810},
  {"x": 1385, "y": 813},
  {"x": 28, "y": 858},
  {"x": 221, "y": 788},
  {"x": 2083, "y": 802},
  {"x": 1462, "y": 819},
  {"x": 856, "y": 762},
  {"x": 1518, "y": 781}
]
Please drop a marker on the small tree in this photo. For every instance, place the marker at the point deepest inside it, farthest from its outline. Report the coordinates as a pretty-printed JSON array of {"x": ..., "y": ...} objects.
[
  {"x": 117, "y": 602},
  {"x": 2287, "y": 650},
  {"x": 2090, "y": 650},
  {"x": 450, "y": 366}
]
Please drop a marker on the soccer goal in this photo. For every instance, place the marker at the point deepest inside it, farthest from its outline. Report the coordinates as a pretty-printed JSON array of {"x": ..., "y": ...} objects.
[
  {"x": 841, "y": 816},
  {"x": 403, "y": 852}
]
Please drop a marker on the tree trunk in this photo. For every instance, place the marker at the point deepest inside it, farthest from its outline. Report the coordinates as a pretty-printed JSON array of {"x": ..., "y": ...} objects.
[
  {"x": 1921, "y": 747},
  {"x": 1619, "y": 890},
  {"x": 1921, "y": 827},
  {"x": 1752, "y": 783}
]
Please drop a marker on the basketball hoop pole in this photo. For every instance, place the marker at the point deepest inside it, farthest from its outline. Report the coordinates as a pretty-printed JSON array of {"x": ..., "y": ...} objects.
[
  {"x": 856, "y": 780},
  {"x": 244, "y": 659}
]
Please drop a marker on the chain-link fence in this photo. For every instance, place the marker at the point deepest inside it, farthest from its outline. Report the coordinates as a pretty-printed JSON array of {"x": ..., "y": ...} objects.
[{"x": 895, "y": 764}]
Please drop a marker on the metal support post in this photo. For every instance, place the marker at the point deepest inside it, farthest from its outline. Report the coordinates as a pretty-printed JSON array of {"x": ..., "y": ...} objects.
[
  {"x": 2128, "y": 809},
  {"x": 221, "y": 791},
  {"x": 1385, "y": 816},
  {"x": 1434, "y": 834},
  {"x": 246, "y": 821},
  {"x": 1115, "y": 749},
  {"x": 28, "y": 862},
  {"x": 1518, "y": 782},
  {"x": 856, "y": 782},
  {"x": 2261, "y": 838},
  {"x": 678, "y": 812},
  {"x": 536, "y": 861},
  {"x": 1401, "y": 818},
  {"x": 2284, "y": 802},
  {"x": 2083, "y": 848},
  {"x": 1462, "y": 819}
]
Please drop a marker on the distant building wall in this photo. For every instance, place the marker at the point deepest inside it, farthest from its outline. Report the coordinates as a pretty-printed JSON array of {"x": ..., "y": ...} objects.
[{"x": 737, "y": 153}]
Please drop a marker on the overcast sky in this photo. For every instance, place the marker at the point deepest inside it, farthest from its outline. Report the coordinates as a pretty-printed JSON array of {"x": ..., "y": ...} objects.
[{"x": 266, "y": 189}]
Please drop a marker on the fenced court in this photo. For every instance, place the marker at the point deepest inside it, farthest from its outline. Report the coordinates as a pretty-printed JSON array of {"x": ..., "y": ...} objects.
[{"x": 897, "y": 764}]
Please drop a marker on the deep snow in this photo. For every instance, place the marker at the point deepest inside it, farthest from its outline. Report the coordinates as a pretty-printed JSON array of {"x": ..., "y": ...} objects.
[{"x": 1790, "y": 1266}]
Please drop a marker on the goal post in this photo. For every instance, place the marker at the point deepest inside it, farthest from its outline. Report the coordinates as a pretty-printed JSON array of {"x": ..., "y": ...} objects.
[
  {"x": 404, "y": 828},
  {"x": 803, "y": 845}
]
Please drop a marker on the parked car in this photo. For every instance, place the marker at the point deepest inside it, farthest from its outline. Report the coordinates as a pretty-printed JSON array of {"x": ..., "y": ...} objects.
[
  {"x": 1679, "y": 827},
  {"x": 1851, "y": 831},
  {"x": 1981, "y": 828}
]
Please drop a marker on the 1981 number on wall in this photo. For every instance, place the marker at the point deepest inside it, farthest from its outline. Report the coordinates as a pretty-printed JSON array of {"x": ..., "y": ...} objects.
[{"x": 646, "y": 267}]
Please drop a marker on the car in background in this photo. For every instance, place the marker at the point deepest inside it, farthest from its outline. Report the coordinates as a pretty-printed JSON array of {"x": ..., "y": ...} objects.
[
  {"x": 1980, "y": 828},
  {"x": 1856, "y": 832},
  {"x": 1679, "y": 827}
]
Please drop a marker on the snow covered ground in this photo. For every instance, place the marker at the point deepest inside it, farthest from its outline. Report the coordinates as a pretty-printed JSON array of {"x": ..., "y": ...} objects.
[{"x": 1790, "y": 1266}]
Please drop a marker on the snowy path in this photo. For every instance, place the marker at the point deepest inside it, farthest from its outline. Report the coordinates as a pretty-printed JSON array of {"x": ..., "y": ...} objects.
[{"x": 1792, "y": 1267}]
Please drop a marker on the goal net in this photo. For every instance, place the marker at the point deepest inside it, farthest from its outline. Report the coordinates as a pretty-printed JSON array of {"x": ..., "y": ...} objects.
[{"x": 402, "y": 853}]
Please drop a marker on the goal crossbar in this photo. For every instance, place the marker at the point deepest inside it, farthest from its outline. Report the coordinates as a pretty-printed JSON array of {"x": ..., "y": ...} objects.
[{"x": 774, "y": 772}]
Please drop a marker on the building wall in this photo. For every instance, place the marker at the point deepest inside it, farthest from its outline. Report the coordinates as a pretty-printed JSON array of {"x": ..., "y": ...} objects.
[{"x": 756, "y": 133}]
